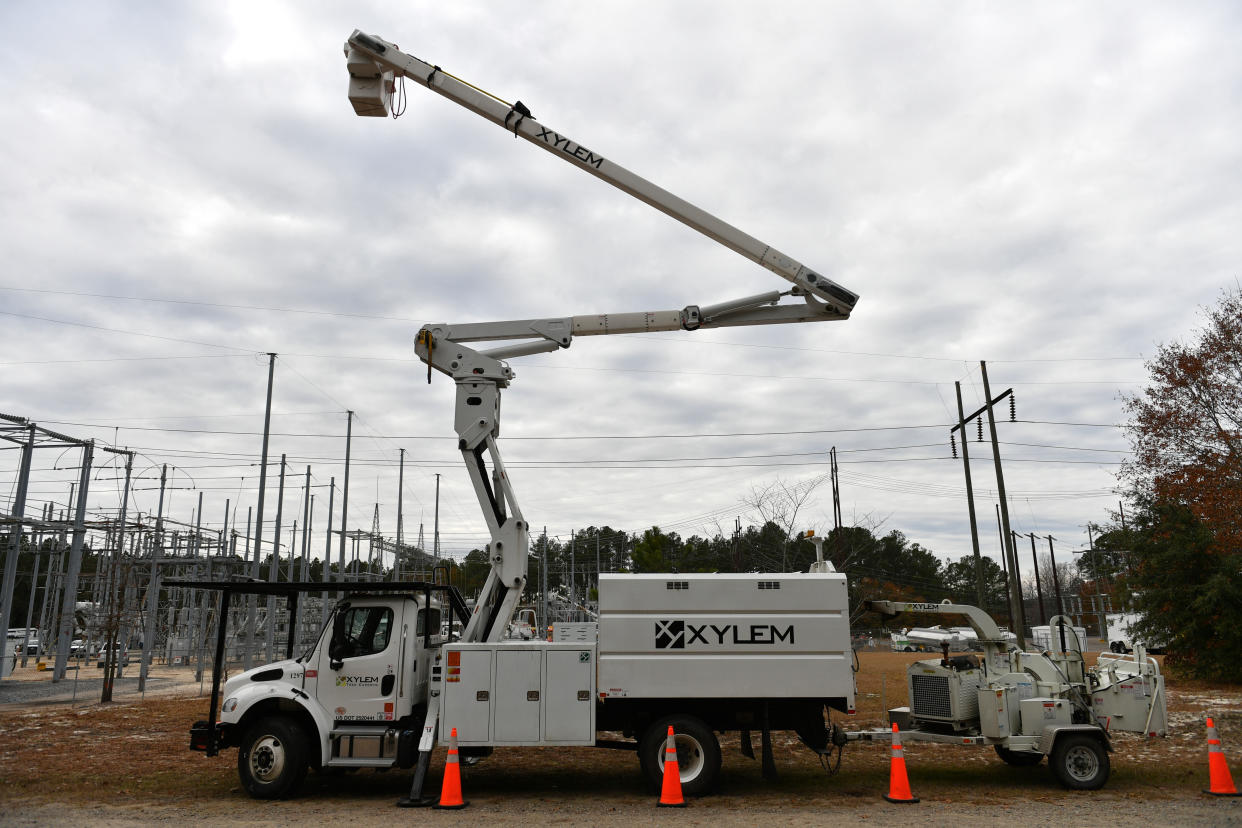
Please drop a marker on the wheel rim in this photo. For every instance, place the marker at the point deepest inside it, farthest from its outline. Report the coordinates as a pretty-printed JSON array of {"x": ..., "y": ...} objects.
[
  {"x": 267, "y": 759},
  {"x": 1081, "y": 763},
  {"x": 690, "y": 758}
]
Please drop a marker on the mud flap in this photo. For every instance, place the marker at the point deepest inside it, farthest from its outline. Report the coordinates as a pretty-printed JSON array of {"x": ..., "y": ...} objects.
[{"x": 767, "y": 763}]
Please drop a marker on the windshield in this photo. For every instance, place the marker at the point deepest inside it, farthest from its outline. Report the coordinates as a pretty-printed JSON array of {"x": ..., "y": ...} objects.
[{"x": 315, "y": 641}]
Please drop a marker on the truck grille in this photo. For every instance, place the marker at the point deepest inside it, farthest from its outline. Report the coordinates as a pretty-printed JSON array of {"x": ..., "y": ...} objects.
[{"x": 930, "y": 696}]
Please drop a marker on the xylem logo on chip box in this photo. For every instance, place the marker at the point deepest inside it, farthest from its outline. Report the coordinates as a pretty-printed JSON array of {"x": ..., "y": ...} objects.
[{"x": 677, "y": 635}]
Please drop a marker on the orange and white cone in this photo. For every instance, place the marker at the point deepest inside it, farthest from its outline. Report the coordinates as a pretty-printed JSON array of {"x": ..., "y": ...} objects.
[
  {"x": 450, "y": 788},
  {"x": 670, "y": 791},
  {"x": 1219, "y": 781},
  {"x": 898, "y": 784}
]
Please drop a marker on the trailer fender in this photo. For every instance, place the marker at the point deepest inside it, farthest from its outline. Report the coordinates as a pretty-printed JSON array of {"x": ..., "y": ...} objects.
[
  {"x": 1048, "y": 739},
  {"x": 256, "y": 701}
]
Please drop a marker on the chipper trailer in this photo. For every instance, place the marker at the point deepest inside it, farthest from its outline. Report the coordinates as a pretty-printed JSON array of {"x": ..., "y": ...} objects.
[
  {"x": 1027, "y": 705},
  {"x": 704, "y": 653}
]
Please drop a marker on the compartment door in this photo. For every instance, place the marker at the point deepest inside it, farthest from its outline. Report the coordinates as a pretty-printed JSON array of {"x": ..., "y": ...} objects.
[
  {"x": 517, "y": 707},
  {"x": 569, "y": 696}
]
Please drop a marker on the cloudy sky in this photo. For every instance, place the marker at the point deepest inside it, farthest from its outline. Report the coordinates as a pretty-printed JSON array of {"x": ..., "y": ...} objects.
[{"x": 1052, "y": 187}]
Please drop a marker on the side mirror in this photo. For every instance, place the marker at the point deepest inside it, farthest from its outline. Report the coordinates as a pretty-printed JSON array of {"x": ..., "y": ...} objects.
[{"x": 338, "y": 645}]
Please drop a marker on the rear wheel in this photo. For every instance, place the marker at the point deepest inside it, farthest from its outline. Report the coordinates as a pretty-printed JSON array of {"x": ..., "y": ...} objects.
[
  {"x": 272, "y": 758},
  {"x": 698, "y": 753},
  {"x": 1019, "y": 758},
  {"x": 1080, "y": 762}
]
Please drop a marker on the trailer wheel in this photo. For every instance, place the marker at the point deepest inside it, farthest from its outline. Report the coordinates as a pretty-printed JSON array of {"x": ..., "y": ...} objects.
[
  {"x": 1019, "y": 758},
  {"x": 698, "y": 753},
  {"x": 1080, "y": 762},
  {"x": 271, "y": 759}
]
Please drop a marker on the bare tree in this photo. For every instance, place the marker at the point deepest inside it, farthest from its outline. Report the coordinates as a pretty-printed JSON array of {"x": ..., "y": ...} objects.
[{"x": 780, "y": 502}]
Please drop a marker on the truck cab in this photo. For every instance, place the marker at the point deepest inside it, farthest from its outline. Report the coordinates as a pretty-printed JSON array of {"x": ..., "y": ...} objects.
[{"x": 345, "y": 703}]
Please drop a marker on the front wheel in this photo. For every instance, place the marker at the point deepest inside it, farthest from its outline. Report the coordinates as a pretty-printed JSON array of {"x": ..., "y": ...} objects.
[
  {"x": 1080, "y": 762},
  {"x": 271, "y": 759},
  {"x": 698, "y": 753}
]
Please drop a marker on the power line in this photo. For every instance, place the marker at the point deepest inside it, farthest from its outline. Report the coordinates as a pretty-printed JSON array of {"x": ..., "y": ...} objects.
[
  {"x": 679, "y": 340},
  {"x": 264, "y": 308}
]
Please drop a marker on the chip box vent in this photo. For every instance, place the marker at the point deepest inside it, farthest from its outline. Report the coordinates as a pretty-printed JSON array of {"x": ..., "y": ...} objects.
[
  {"x": 769, "y": 584},
  {"x": 676, "y": 584}
]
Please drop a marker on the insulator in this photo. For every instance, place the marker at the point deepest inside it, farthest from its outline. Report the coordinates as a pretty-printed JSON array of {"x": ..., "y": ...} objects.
[
  {"x": 979, "y": 423},
  {"x": 1013, "y": 408},
  {"x": 953, "y": 445}
]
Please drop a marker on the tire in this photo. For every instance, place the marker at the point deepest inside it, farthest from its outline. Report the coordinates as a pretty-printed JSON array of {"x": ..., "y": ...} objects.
[
  {"x": 698, "y": 753},
  {"x": 1080, "y": 762},
  {"x": 1019, "y": 758},
  {"x": 272, "y": 758}
]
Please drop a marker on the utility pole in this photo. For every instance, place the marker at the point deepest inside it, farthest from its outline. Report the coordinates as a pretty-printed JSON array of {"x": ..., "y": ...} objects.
[
  {"x": 15, "y": 536},
  {"x": 273, "y": 569},
  {"x": 396, "y": 564},
  {"x": 1099, "y": 593},
  {"x": 204, "y": 604},
  {"x": 836, "y": 493},
  {"x": 543, "y": 585},
  {"x": 306, "y": 546},
  {"x": 1056, "y": 585},
  {"x": 327, "y": 552},
  {"x": 35, "y": 546},
  {"x": 74, "y": 568},
  {"x": 349, "y": 437},
  {"x": 112, "y": 658},
  {"x": 251, "y": 568},
  {"x": 1039, "y": 590},
  {"x": 1015, "y": 585},
  {"x": 970, "y": 497},
  {"x": 258, "y": 526},
  {"x": 153, "y": 587},
  {"x": 435, "y": 537},
  {"x": 306, "y": 515}
]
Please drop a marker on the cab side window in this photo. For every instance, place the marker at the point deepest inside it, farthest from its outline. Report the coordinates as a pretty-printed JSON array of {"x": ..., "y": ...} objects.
[
  {"x": 366, "y": 630},
  {"x": 424, "y": 624}
]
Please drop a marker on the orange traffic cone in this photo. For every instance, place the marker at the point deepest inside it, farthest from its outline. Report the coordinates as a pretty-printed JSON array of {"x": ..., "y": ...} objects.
[
  {"x": 898, "y": 785},
  {"x": 450, "y": 789},
  {"x": 1221, "y": 783},
  {"x": 670, "y": 792}
]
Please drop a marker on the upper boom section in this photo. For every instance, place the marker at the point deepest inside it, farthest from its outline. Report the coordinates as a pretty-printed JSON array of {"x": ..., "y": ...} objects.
[{"x": 373, "y": 64}]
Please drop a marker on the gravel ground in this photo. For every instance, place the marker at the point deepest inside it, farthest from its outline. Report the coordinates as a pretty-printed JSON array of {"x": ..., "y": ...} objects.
[
  {"x": 142, "y": 774},
  {"x": 607, "y": 811}
]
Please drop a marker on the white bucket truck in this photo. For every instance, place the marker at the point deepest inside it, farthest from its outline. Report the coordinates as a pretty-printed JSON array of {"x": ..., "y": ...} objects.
[{"x": 702, "y": 652}]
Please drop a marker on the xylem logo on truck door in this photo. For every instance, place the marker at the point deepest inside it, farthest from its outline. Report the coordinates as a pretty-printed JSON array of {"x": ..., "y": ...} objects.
[{"x": 678, "y": 635}]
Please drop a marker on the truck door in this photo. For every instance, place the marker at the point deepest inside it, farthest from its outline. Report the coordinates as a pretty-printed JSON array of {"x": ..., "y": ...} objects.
[{"x": 358, "y": 668}]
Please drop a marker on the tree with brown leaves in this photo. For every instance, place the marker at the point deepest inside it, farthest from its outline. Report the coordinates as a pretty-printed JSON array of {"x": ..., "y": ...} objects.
[{"x": 1185, "y": 482}]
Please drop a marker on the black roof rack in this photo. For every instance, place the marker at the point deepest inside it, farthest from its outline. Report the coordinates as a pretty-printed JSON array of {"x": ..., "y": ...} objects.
[{"x": 291, "y": 590}]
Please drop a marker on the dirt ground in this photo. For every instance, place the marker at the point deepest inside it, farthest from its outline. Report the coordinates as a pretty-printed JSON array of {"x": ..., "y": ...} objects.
[{"x": 128, "y": 763}]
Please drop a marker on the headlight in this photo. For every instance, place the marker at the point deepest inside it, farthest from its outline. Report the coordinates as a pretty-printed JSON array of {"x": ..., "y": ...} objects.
[{"x": 229, "y": 706}]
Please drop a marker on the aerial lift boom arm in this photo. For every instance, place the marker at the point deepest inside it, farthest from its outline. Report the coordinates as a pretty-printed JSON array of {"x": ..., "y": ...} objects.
[
  {"x": 374, "y": 63},
  {"x": 480, "y": 374}
]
